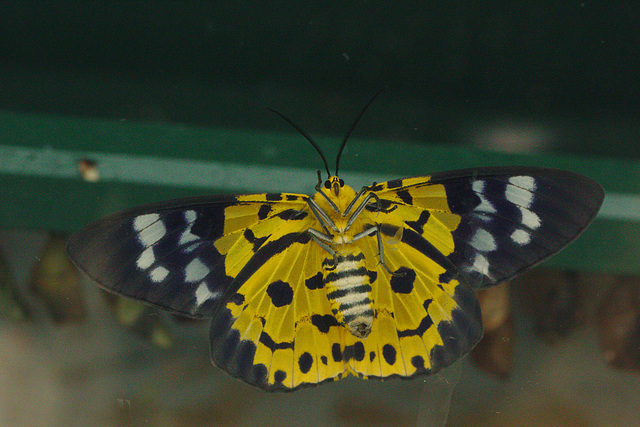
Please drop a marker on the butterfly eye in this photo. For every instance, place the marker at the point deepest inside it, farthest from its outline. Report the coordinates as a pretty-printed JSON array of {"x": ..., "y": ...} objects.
[
  {"x": 341, "y": 181},
  {"x": 327, "y": 184}
]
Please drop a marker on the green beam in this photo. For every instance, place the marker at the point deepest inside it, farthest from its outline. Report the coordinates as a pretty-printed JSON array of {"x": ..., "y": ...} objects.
[{"x": 40, "y": 186}]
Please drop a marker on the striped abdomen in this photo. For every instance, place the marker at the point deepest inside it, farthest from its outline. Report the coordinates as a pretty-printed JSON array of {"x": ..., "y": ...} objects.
[{"x": 349, "y": 288}]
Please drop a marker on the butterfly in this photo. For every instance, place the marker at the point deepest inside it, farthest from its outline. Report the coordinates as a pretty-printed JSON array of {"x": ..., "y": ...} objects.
[{"x": 376, "y": 283}]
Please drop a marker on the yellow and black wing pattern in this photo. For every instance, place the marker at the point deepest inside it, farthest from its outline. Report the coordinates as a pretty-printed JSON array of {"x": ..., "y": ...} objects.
[{"x": 415, "y": 254}]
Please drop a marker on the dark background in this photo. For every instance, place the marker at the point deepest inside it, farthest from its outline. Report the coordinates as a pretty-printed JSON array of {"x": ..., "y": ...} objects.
[{"x": 448, "y": 67}]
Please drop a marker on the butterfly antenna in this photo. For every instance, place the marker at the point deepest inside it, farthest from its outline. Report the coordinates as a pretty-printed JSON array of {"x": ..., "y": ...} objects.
[
  {"x": 353, "y": 125},
  {"x": 303, "y": 133}
]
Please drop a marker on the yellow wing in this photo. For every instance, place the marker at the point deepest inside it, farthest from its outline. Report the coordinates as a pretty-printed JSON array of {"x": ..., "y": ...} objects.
[
  {"x": 278, "y": 331},
  {"x": 443, "y": 236}
]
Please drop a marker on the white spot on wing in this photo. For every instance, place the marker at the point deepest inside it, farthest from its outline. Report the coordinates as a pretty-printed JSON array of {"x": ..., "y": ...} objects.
[
  {"x": 146, "y": 259},
  {"x": 478, "y": 186},
  {"x": 150, "y": 229},
  {"x": 530, "y": 219},
  {"x": 195, "y": 271},
  {"x": 526, "y": 182},
  {"x": 520, "y": 190},
  {"x": 187, "y": 236},
  {"x": 190, "y": 216},
  {"x": 143, "y": 221},
  {"x": 203, "y": 294},
  {"x": 484, "y": 206},
  {"x": 483, "y": 241},
  {"x": 158, "y": 274},
  {"x": 521, "y": 237},
  {"x": 481, "y": 265}
]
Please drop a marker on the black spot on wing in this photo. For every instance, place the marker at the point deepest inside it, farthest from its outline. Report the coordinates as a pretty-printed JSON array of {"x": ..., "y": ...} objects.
[
  {"x": 305, "y": 361},
  {"x": 336, "y": 353},
  {"x": 323, "y": 323},
  {"x": 268, "y": 342},
  {"x": 314, "y": 282},
  {"x": 394, "y": 183},
  {"x": 324, "y": 360},
  {"x": 237, "y": 299},
  {"x": 264, "y": 211},
  {"x": 389, "y": 354},
  {"x": 405, "y": 196},
  {"x": 280, "y": 292},
  {"x": 355, "y": 351},
  {"x": 292, "y": 215},
  {"x": 273, "y": 197},
  {"x": 402, "y": 280},
  {"x": 259, "y": 375},
  {"x": 418, "y": 225},
  {"x": 279, "y": 376},
  {"x": 425, "y": 324},
  {"x": 388, "y": 229},
  {"x": 418, "y": 362},
  {"x": 373, "y": 275},
  {"x": 255, "y": 241}
]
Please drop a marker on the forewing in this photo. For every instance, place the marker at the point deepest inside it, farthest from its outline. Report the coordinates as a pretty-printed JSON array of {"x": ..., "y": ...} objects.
[
  {"x": 168, "y": 254},
  {"x": 501, "y": 220}
]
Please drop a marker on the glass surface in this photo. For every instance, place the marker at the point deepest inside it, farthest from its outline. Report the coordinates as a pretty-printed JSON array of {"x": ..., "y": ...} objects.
[{"x": 192, "y": 82}]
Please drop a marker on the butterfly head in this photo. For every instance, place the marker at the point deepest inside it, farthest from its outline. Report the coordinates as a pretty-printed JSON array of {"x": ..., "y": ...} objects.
[{"x": 333, "y": 185}]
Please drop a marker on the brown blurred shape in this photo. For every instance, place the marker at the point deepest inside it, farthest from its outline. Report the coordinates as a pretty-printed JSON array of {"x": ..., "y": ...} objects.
[
  {"x": 56, "y": 282},
  {"x": 618, "y": 322}
]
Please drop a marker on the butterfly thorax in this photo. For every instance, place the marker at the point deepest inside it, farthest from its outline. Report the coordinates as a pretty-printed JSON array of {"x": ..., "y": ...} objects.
[{"x": 340, "y": 195}]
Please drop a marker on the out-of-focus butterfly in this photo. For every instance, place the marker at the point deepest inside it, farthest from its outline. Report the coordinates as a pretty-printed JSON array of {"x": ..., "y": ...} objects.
[{"x": 376, "y": 283}]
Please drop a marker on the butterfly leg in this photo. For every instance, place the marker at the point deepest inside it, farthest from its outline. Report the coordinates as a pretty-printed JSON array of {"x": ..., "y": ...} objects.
[
  {"x": 323, "y": 241},
  {"x": 322, "y": 216},
  {"x": 353, "y": 202},
  {"x": 375, "y": 229},
  {"x": 360, "y": 207}
]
